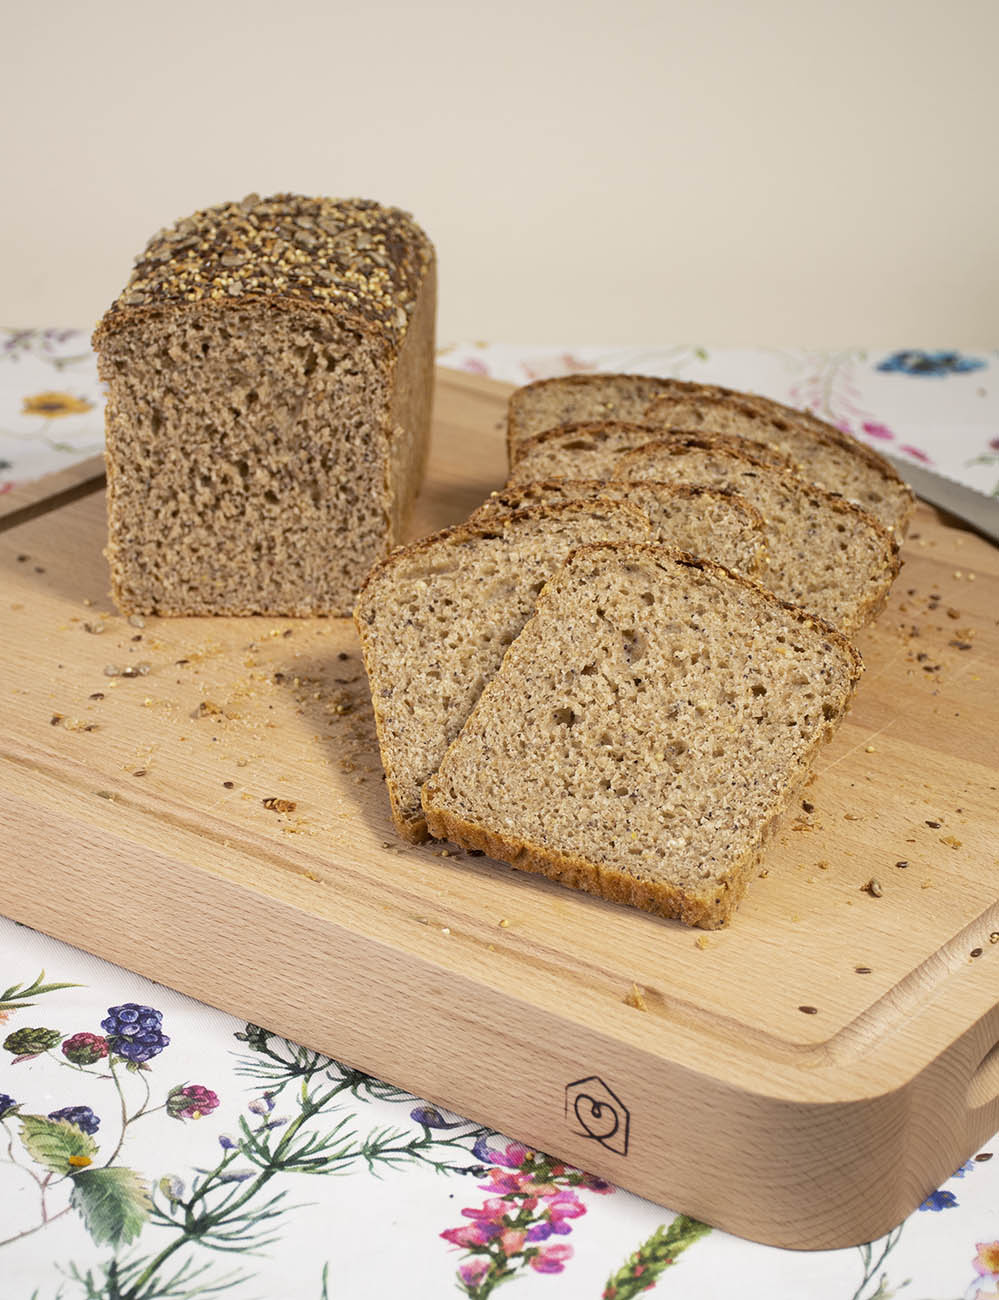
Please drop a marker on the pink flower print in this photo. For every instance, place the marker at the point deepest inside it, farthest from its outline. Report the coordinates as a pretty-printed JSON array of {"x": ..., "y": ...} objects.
[
  {"x": 504, "y": 1183},
  {"x": 565, "y": 1205},
  {"x": 551, "y": 1259},
  {"x": 474, "y": 366},
  {"x": 987, "y": 1259},
  {"x": 874, "y": 429},
  {"x": 514, "y": 1155},
  {"x": 512, "y": 1240},
  {"x": 472, "y": 1272},
  {"x": 494, "y": 1211},
  {"x": 594, "y": 1184},
  {"x": 918, "y": 453},
  {"x": 472, "y": 1234}
]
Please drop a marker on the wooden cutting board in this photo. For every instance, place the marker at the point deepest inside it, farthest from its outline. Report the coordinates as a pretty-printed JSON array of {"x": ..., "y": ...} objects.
[{"x": 217, "y": 821}]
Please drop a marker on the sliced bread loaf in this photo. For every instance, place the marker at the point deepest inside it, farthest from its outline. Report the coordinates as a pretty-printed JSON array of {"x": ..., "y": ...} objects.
[
  {"x": 591, "y": 450},
  {"x": 436, "y": 617},
  {"x": 645, "y": 731},
  {"x": 823, "y": 553},
  {"x": 711, "y": 522},
  {"x": 825, "y": 455}
]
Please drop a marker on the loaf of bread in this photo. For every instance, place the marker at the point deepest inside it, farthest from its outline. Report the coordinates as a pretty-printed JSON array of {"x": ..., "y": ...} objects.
[
  {"x": 711, "y": 522},
  {"x": 823, "y": 553},
  {"x": 435, "y": 620},
  {"x": 591, "y": 450},
  {"x": 645, "y": 731},
  {"x": 269, "y": 369},
  {"x": 824, "y": 454}
]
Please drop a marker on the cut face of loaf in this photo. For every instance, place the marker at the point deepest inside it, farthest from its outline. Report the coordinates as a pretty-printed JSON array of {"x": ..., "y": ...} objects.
[
  {"x": 823, "y": 553},
  {"x": 824, "y": 455},
  {"x": 269, "y": 370},
  {"x": 436, "y": 618},
  {"x": 592, "y": 450},
  {"x": 716, "y": 524},
  {"x": 644, "y": 732}
]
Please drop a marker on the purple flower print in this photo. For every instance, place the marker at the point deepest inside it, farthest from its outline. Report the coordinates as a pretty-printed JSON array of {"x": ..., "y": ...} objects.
[
  {"x": 939, "y": 1200},
  {"x": 7, "y": 1104}
]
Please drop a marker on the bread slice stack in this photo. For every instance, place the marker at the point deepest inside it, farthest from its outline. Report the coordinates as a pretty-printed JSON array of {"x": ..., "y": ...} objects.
[{"x": 617, "y": 672}]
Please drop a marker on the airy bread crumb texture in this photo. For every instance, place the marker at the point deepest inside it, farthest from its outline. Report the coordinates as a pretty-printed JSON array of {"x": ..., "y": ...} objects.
[
  {"x": 436, "y": 618},
  {"x": 645, "y": 731}
]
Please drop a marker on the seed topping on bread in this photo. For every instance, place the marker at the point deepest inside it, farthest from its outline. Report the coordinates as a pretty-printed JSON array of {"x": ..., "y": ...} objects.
[{"x": 349, "y": 253}]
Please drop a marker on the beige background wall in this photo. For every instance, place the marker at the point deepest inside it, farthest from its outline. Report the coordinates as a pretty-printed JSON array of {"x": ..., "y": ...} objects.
[{"x": 783, "y": 171}]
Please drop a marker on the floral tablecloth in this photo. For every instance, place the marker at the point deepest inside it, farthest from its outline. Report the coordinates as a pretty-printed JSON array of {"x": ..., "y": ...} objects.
[{"x": 153, "y": 1147}]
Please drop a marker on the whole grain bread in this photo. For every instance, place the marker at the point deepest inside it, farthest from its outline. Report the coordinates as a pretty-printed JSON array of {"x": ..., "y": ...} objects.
[
  {"x": 645, "y": 731},
  {"x": 590, "y": 450},
  {"x": 824, "y": 454},
  {"x": 711, "y": 522},
  {"x": 823, "y": 553},
  {"x": 269, "y": 369},
  {"x": 435, "y": 620}
]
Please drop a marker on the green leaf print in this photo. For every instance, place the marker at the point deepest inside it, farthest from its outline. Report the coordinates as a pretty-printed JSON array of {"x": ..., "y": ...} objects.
[
  {"x": 644, "y": 1266},
  {"x": 55, "y": 1143},
  {"x": 113, "y": 1203}
]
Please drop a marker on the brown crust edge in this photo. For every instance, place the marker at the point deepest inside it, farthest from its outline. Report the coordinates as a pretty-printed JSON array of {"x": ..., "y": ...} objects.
[{"x": 708, "y": 911}]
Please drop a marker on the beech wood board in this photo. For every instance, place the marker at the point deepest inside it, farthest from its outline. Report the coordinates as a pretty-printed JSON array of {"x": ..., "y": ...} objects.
[{"x": 803, "y": 1078}]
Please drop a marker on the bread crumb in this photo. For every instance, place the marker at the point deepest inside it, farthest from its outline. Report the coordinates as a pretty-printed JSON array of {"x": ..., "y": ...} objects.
[
  {"x": 279, "y": 805},
  {"x": 950, "y": 841},
  {"x": 873, "y": 887},
  {"x": 634, "y": 999},
  {"x": 504, "y": 923},
  {"x": 702, "y": 941}
]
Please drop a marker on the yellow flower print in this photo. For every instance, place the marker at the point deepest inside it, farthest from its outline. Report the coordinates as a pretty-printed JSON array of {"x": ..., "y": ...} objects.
[{"x": 53, "y": 404}]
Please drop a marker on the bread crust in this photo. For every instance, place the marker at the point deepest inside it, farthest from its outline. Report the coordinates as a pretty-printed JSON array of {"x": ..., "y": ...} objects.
[{"x": 709, "y": 909}]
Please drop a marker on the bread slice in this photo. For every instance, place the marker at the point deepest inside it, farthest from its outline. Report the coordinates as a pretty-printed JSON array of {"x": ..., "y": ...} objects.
[
  {"x": 570, "y": 399},
  {"x": 645, "y": 731},
  {"x": 436, "y": 617},
  {"x": 823, "y": 553},
  {"x": 826, "y": 456},
  {"x": 711, "y": 522},
  {"x": 591, "y": 450}
]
